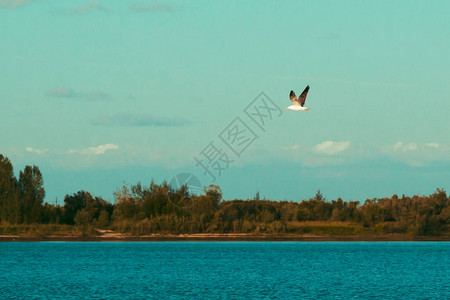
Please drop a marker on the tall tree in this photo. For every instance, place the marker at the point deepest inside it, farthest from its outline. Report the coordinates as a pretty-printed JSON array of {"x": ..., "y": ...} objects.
[
  {"x": 7, "y": 190},
  {"x": 74, "y": 203},
  {"x": 319, "y": 196},
  {"x": 32, "y": 191}
]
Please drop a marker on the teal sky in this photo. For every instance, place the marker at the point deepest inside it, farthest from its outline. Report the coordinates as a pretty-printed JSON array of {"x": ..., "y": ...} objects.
[{"x": 98, "y": 93}]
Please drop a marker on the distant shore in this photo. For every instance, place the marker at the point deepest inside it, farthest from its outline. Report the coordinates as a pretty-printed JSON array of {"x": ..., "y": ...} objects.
[{"x": 217, "y": 237}]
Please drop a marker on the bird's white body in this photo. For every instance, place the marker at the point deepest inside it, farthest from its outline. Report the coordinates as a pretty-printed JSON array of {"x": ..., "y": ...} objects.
[
  {"x": 297, "y": 107},
  {"x": 297, "y": 103}
]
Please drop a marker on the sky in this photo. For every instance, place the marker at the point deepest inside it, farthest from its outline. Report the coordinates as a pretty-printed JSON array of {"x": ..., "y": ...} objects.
[{"x": 99, "y": 94}]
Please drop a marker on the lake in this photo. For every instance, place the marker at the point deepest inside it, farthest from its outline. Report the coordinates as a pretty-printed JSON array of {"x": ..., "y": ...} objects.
[{"x": 225, "y": 270}]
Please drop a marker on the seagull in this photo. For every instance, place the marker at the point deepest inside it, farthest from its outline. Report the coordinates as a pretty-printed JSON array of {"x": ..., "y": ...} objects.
[{"x": 297, "y": 104}]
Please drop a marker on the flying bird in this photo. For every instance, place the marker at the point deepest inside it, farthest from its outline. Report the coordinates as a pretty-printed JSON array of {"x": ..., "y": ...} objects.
[{"x": 297, "y": 104}]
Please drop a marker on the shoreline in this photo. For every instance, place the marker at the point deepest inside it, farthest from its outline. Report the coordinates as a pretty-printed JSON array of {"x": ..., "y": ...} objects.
[{"x": 220, "y": 238}]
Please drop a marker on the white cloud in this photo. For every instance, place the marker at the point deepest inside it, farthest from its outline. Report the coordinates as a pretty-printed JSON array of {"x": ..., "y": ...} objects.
[
  {"x": 432, "y": 145},
  {"x": 415, "y": 154},
  {"x": 88, "y": 7},
  {"x": 37, "y": 151},
  {"x": 331, "y": 147},
  {"x": 66, "y": 92},
  {"x": 400, "y": 147},
  {"x": 63, "y": 92},
  {"x": 153, "y": 7},
  {"x": 108, "y": 156},
  {"x": 319, "y": 155},
  {"x": 139, "y": 120},
  {"x": 291, "y": 148},
  {"x": 13, "y": 3},
  {"x": 99, "y": 150}
]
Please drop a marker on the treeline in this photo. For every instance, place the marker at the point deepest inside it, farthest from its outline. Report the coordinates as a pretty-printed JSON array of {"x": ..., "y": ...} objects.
[
  {"x": 158, "y": 208},
  {"x": 21, "y": 200}
]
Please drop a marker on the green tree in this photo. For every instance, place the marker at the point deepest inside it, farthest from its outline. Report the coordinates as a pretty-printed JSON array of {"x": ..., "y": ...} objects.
[
  {"x": 31, "y": 185},
  {"x": 319, "y": 196},
  {"x": 73, "y": 204},
  {"x": 127, "y": 207},
  {"x": 9, "y": 200}
]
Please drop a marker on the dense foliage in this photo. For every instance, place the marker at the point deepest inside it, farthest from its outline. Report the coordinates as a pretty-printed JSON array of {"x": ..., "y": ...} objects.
[
  {"x": 157, "y": 208},
  {"x": 20, "y": 200}
]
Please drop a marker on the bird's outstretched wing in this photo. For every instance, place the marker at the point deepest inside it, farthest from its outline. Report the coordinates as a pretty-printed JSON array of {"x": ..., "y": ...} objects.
[
  {"x": 302, "y": 97},
  {"x": 293, "y": 98}
]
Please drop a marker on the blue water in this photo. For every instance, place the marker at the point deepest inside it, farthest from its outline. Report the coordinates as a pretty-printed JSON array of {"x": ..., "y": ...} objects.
[{"x": 225, "y": 270}]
